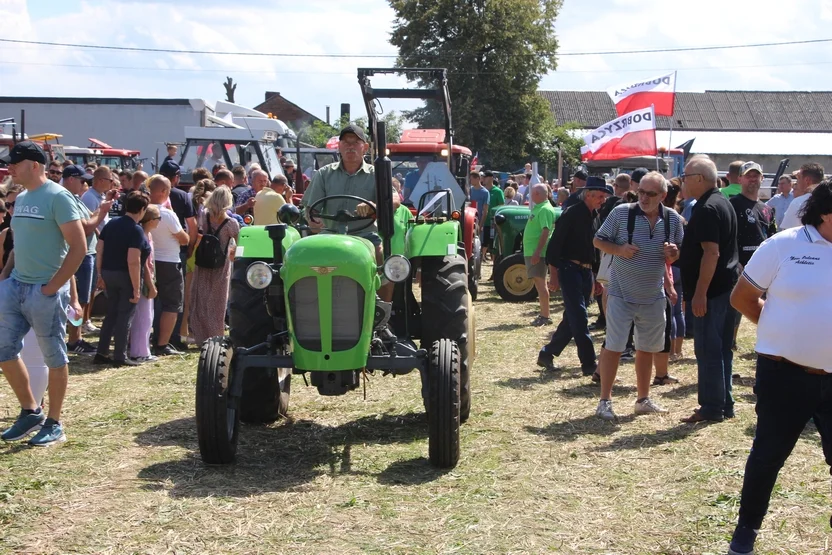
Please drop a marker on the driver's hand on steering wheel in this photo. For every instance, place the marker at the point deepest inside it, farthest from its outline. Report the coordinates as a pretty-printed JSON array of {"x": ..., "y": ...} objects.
[{"x": 365, "y": 209}]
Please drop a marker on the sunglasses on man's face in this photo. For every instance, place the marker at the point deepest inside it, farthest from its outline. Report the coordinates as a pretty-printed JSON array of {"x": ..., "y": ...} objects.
[
  {"x": 9, "y": 205},
  {"x": 55, "y": 172}
]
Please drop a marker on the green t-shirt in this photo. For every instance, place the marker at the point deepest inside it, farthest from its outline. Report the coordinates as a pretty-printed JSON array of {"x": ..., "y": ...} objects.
[
  {"x": 496, "y": 198},
  {"x": 542, "y": 217},
  {"x": 332, "y": 179},
  {"x": 39, "y": 245},
  {"x": 732, "y": 190}
]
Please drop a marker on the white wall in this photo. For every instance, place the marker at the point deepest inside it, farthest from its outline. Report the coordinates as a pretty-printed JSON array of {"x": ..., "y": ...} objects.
[{"x": 143, "y": 127}]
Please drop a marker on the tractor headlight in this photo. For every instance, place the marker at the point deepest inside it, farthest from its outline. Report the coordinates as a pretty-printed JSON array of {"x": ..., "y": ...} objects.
[
  {"x": 397, "y": 268},
  {"x": 500, "y": 219},
  {"x": 259, "y": 275}
]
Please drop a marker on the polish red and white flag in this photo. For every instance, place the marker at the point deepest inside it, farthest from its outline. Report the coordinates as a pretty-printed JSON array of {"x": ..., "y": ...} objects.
[
  {"x": 632, "y": 134},
  {"x": 659, "y": 92}
]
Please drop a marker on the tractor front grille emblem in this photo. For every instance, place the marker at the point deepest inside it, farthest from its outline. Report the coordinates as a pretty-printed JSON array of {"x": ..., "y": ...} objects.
[{"x": 324, "y": 270}]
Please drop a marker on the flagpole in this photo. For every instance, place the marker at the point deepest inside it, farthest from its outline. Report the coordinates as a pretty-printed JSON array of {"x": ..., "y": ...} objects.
[
  {"x": 672, "y": 111},
  {"x": 655, "y": 141}
]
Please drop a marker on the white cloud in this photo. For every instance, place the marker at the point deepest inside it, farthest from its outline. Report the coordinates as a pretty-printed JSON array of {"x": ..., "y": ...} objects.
[{"x": 363, "y": 27}]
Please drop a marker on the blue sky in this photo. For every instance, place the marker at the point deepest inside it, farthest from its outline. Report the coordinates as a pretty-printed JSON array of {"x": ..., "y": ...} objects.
[{"x": 362, "y": 27}]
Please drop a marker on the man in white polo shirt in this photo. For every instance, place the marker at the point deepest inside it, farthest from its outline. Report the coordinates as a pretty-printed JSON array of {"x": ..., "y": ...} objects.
[
  {"x": 642, "y": 237},
  {"x": 794, "y": 363},
  {"x": 807, "y": 179}
]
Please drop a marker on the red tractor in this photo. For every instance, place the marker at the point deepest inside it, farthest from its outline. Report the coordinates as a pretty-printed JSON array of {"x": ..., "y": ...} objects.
[{"x": 427, "y": 159}]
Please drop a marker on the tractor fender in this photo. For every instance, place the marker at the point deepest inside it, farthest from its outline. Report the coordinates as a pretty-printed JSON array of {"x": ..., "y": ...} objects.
[{"x": 468, "y": 229}]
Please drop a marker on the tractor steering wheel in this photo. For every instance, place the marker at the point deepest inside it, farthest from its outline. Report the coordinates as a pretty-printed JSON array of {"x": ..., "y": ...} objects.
[{"x": 342, "y": 217}]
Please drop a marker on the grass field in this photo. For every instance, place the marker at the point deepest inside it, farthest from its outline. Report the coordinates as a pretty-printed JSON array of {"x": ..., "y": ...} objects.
[{"x": 538, "y": 473}]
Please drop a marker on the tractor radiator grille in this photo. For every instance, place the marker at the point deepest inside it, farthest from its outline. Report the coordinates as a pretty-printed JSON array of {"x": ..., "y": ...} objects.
[
  {"x": 347, "y": 313},
  {"x": 303, "y": 302}
]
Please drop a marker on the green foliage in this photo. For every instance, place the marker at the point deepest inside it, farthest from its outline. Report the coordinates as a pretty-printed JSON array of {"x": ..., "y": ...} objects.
[
  {"x": 495, "y": 52},
  {"x": 319, "y": 132},
  {"x": 545, "y": 145}
]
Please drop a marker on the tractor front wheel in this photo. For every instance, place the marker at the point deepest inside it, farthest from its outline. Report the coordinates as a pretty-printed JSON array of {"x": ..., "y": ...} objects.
[
  {"x": 217, "y": 418},
  {"x": 443, "y": 418},
  {"x": 511, "y": 280}
]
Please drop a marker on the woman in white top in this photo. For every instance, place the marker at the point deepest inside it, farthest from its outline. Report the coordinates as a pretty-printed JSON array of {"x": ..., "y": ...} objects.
[{"x": 794, "y": 362}]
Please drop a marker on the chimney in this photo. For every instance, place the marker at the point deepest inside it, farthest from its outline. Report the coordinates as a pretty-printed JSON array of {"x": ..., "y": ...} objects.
[
  {"x": 327, "y": 115},
  {"x": 345, "y": 110}
]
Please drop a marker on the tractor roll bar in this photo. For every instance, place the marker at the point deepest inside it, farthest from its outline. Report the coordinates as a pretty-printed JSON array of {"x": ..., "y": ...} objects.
[
  {"x": 384, "y": 191},
  {"x": 441, "y": 94}
]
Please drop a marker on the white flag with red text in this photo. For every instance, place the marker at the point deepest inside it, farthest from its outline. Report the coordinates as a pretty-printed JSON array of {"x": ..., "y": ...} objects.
[
  {"x": 632, "y": 134},
  {"x": 659, "y": 92}
]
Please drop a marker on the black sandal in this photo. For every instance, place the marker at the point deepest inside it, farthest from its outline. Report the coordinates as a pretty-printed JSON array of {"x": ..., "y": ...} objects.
[{"x": 667, "y": 379}]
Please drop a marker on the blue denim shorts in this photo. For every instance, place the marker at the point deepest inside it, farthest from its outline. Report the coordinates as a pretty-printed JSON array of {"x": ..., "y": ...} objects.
[
  {"x": 23, "y": 306},
  {"x": 84, "y": 279}
]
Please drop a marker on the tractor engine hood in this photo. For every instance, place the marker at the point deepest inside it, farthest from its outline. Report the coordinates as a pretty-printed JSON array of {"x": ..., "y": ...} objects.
[{"x": 330, "y": 283}]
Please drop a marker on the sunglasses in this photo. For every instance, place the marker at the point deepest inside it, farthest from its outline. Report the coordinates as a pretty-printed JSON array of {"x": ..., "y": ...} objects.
[
  {"x": 55, "y": 172},
  {"x": 651, "y": 194},
  {"x": 9, "y": 205}
]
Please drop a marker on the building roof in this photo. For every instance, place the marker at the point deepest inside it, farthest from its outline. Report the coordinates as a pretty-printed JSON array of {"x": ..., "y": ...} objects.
[
  {"x": 89, "y": 100},
  {"x": 796, "y": 111},
  {"x": 285, "y": 110}
]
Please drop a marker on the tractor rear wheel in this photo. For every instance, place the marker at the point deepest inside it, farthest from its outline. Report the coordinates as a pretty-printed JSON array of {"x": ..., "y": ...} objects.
[
  {"x": 217, "y": 419},
  {"x": 446, "y": 313},
  {"x": 511, "y": 280},
  {"x": 443, "y": 418}
]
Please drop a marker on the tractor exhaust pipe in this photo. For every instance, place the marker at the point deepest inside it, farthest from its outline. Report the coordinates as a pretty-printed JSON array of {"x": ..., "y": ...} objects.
[{"x": 384, "y": 189}]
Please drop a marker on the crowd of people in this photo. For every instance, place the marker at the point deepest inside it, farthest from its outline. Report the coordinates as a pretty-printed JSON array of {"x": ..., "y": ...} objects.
[
  {"x": 688, "y": 258},
  {"x": 664, "y": 259}
]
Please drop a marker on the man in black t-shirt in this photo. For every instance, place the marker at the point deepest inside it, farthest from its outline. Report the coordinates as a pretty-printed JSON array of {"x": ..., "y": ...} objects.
[
  {"x": 709, "y": 265},
  {"x": 755, "y": 220}
]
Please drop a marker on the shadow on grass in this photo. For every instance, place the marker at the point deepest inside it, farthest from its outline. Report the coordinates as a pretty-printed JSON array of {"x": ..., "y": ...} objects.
[
  {"x": 411, "y": 472},
  {"x": 571, "y": 430},
  {"x": 276, "y": 458},
  {"x": 504, "y": 327},
  {"x": 81, "y": 365},
  {"x": 591, "y": 390},
  {"x": 528, "y": 382},
  {"x": 638, "y": 441},
  {"x": 678, "y": 392}
]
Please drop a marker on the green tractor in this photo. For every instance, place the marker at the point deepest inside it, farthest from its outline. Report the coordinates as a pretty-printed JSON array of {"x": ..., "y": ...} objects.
[
  {"x": 510, "y": 279},
  {"x": 307, "y": 304}
]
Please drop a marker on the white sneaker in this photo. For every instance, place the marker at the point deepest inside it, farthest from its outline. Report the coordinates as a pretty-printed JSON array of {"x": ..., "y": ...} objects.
[
  {"x": 604, "y": 410},
  {"x": 90, "y": 327},
  {"x": 647, "y": 406},
  {"x": 142, "y": 360}
]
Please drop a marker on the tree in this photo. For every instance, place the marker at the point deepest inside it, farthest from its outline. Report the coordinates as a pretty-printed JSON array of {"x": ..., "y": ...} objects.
[
  {"x": 320, "y": 132},
  {"x": 230, "y": 87},
  {"x": 553, "y": 137},
  {"x": 495, "y": 52}
]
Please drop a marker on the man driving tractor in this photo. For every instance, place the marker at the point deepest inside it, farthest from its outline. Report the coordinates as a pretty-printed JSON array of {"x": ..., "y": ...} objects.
[{"x": 351, "y": 176}]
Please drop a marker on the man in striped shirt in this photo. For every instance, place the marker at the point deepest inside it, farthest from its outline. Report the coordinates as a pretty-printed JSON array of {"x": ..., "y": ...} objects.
[{"x": 643, "y": 237}]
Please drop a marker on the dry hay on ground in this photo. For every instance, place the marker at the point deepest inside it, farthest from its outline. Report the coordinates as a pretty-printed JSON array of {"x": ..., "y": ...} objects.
[{"x": 538, "y": 472}]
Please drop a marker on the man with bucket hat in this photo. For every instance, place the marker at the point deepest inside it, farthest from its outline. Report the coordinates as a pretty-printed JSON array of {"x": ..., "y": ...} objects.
[{"x": 570, "y": 255}]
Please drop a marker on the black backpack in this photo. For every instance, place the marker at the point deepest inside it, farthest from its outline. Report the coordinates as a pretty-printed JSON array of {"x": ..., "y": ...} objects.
[
  {"x": 631, "y": 222},
  {"x": 209, "y": 253}
]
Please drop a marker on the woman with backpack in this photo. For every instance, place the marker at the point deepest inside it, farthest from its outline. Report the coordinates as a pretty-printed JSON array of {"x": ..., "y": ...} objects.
[{"x": 212, "y": 269}]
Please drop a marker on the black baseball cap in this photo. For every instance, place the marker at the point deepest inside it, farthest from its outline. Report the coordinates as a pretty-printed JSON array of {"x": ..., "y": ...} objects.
[
  {"x": 25, "y": 150},
  {"x": 580, "y": 174},
  {"x": 488, "y": 173},
  {"x": 169, "y": 169},
  {"x": 638, "y": 173},
  {"x": 355, "y": 130},
  {"x": 76, "y": 171}
]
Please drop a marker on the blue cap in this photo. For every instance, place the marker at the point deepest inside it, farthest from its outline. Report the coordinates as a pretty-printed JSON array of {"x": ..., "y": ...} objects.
[
  {"x": 169, "y": 169},
  {"x": 76, "y": 171}
]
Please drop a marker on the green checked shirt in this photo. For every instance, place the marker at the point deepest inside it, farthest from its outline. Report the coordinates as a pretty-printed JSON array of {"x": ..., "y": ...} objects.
[{"x": 332, "y": 179}]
